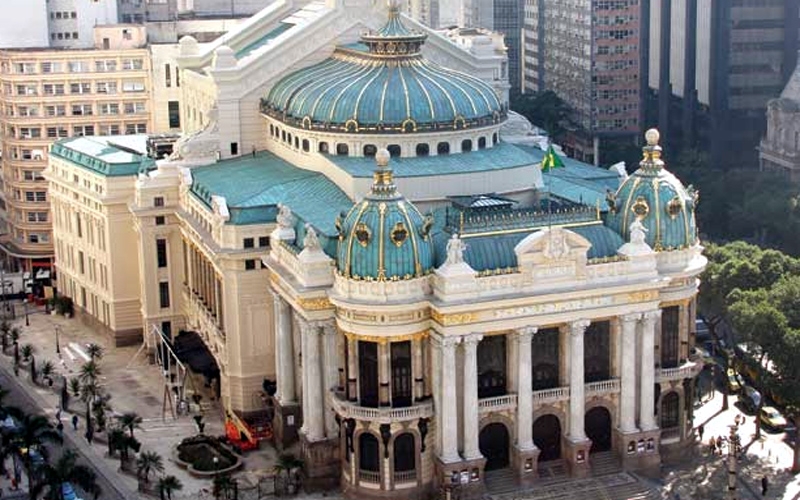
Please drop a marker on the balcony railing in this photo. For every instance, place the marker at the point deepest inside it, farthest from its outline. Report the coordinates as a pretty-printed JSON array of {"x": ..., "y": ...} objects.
[
  {"x": 610, "y": 386},
  {"x": 497, "y": 403},
  {"x": 348, "y": 409},
  {"x": 689, "y": 369},
  {"x": 368, "y": 476},
  {"x": 553, "y": 395},
  {"x": 409, "y": 476}
]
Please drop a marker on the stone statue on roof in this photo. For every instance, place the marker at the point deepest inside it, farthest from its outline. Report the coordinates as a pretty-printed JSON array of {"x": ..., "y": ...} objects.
[
  {"x": 311, "y": 240},
  {"x": 637, "y": 232},
  {"x": 285, "y": 219},
  {"x": 455, "y": 250}
]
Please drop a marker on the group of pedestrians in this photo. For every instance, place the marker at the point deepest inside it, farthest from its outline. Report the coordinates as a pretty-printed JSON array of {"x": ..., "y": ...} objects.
[{"x": 715, "y": 445}]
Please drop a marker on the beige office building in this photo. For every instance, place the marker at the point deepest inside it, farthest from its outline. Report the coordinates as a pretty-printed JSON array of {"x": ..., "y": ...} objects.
[{"x": 49, "y": 94}]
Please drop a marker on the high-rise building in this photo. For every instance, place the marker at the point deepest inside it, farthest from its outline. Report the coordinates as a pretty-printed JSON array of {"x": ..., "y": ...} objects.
[
  {"x": 71, "y": 23},
  {"x": 140, "y": 11},
  {"x": 587, "y": 52},
  {"x": 47, "y": 94},
  {"x": 713, "y": 66},
  {"x": 27, "y": 27}
]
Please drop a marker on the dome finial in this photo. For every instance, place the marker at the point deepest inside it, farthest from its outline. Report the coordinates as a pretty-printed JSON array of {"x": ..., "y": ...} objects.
[
  {"x": 383, "y": 179},
  {"x": 652, "y": 152}
]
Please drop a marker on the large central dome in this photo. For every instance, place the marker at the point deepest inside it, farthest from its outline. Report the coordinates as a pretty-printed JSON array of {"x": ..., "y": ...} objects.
[{"x": 383, "y": 84}]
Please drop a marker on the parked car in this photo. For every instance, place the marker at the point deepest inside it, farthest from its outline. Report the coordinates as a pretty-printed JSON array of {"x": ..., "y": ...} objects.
[
  {"x": 702, "y": 333},
  {"x": 734, "y": 381},
  {"x": 772, "y": 419}
]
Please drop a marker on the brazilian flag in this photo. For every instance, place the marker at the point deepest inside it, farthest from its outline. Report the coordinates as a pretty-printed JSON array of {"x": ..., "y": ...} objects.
[{"x": 551, "y": 160}]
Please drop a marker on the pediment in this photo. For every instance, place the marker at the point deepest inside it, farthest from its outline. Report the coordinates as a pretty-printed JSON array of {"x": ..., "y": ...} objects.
[{"x": 553, "y": 254}]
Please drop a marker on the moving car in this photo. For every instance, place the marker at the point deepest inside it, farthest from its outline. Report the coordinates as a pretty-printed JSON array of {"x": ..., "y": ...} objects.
[
  {"x": 734, "y": 381},
  {"x": 750, "y": 398},
  {"x": 772, "y": 419}
]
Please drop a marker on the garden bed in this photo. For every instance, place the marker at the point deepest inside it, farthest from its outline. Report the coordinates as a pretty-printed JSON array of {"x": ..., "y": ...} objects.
[{"x": 196, "y": 454}]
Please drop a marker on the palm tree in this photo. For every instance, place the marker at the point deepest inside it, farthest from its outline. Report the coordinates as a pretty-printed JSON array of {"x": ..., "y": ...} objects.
[
  {"x": 65, "y": 470},
  {"x": 148, "y": 461},
  {"x": 47, "y": 371},
  {"x": 75, "y": 387},
  {"x": 89, "y": 372},
  {"x": 95, "y": 351},
  {"x": 26, "y": 351},
  {"x": 32, "y": 433},
  {"x": 5, "y": 327},
  {"x": 15, "y": 333},
  {"x": 287, "y": 463},
  {"x": 130, "y": 420},
  {"x": 116, "y": 440},
  {"x": 168, "y": 484},
  {"x": 100, "y": 407}
]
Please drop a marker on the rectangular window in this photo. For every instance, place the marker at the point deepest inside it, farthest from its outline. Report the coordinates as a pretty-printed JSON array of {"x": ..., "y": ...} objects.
[
  {"x": 161, "y": 252},
  {"x": 670, "y": 335},
  {"x": 597, "y": 352},
  {"x": 82, "y": 110},
  {"x": 80, "y": 88},
  {"x": 174, "y": 110},
  {"x": 30, "y": 133},
  {"x": 58, "y": 110},
  {"x": 81, "y": 130},
  {"x": 51, "y": 67},
  {"x": 107, "y": 65},
  {"x": 158, "y": 201},
  {"x": 109, "y": 108},
  {"x": 37, "y": 216},
  {"x": 53, "y": 89},
  {"x": 249, "y": 264},
  {"x": 135, "y": 128},
  {"x": 53, "y": 132},
  {"x": 160, "y": 220},
  {"x": 106, "y": 88},
  {"x": 132, "y": 86},
  {"x": 402, "y": 383},
  {"x": 368, "y": 373},
  {"x": 27, "y": 89},
  {"x": 163, "y": 294},
  {"x": 109, "y": 129},
  {"x": 263, "y": 241},
  {"x": 167, "y": 76},
  {"x": 134, "y": 107},
  {"x": 248, "y": 243},
  {"x": 130, "y": 64}
]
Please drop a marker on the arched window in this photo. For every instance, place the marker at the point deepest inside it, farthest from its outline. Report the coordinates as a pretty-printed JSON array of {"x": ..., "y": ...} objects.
[
  {"x": 296, "y": 142},
  {"x": 423, "y": 149},
  {"x": 670, "y": 410},
  {"x": 482, "y": 143},
  {"x": 670, "y": 336},
  {"x": 494, "y": 138},
  {"x": 283, "y": 135},
  {"x": 443, "y": 148},
  {"x": 370, "y": 150},
  {"x": 492, "y": 367},
  {"x": 405, "y": 453},
  {"x": 394, "y": 150},
  {"x": 305, "y": 145},
  {"x": 368, "y": 453},
  {"x": 466, "y": 145},
  {"x": 289, "y": 139},
  {"x": 323, "y": 147},
  {"x": 271, "y": 129},
  {"x": 342, "y": 149}
]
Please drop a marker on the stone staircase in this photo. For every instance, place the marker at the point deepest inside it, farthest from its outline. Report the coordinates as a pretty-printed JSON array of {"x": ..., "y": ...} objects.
[{"x": 607, "y": 482}]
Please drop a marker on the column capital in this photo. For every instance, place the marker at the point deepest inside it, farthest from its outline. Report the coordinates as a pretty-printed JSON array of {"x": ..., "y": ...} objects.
[
  {"x": 329, "y": 327},
  {"x": 576, "y": 328},
  {"x": 630, "y": 317},
  {"x": 278, "y": 301},
  {"x": 308, "y": 327},
  {"x": 472, "y": 339},
  {"x": 526, "y": 332},
  {"x": 443, "y": 341},
  {"x": 651, "y": 316}
]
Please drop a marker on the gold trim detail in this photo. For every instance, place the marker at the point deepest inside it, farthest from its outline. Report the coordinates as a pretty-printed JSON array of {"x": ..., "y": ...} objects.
[
  {"x": 317, "y": 304},
  {"x": 640, "y": 208},
  {"x": 453, "y": 319},
  {"x": 642, "y": 296},
  {"x": 380, "y": 339},
  {"x": 399, "y": 234},
  {"x": 363, "y": 234},
  {"x": 674, "y": 207}
]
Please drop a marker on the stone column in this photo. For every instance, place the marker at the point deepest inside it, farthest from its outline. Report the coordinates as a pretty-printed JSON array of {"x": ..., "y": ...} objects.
[
  {"x": 648, "y": 375},
  {"x": 313, "y": 419},
  {"x": 627, "y": 396},
  {"x": 446, "y": 408},
  {"x": 525, "y": 388},
  {"x": 352, "y": 369},
  {"x": 384, "y": 389},
  {"x": 331, "y": 375},
  {"x": 284, "y": 357},
  {"x": 471, "y": 450},
  {"x": 417, "y": 370},
  {"x": 576, "y": 380}
]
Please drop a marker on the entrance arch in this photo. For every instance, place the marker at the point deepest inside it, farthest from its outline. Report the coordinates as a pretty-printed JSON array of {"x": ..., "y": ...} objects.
[
  {"x": 493, "y": 442},
  {"x": 597, "y": 425},
  {"x": 547, "y": 437}
]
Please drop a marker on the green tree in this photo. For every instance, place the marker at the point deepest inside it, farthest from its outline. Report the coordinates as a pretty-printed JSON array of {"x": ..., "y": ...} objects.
[
  {"x": 32, "y": 433},
  {"x": 64, "y": 470},
  {"x": 168, "y": 484},
  {"x": 95, "y": 351},
  {"x": 147, "y": 462},
  {"x": 130, "y": 420},
  {"x": 89, "y": 372},
  {"x": 545, "y": 110}
]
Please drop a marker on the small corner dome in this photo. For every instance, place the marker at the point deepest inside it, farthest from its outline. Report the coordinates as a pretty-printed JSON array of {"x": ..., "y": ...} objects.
[
  {"x": 224, "y": 57},
  {"x": 655, "y": 196},
  {"x": 189, "y": 46},
  {"x": 384, "y": 237}
]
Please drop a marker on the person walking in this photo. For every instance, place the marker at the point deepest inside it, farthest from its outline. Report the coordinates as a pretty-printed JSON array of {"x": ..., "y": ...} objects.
[
  {"x": 75, "y": 422},
  {"x": 764, "y": 485},
  {"x": 60, "y": 428},
  {"x": 700, "y": 431}
]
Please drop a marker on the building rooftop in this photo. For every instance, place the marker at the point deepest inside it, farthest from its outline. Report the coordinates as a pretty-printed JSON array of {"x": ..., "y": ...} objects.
[
  {"x": 500, "y": 157},
  {"x": 106, "y": 155},
  {"x": 254, "y": 185}
]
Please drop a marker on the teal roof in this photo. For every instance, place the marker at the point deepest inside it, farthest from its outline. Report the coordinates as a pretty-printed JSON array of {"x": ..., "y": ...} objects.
[
  {"x": 496, "y": 252},
  {"x": 660, "y": 201},
  {"x": 500, "y": 157},
  {"x": 103, "y": 156},
  {"x": 253, "y": 187},
  {"x": 391, "y": 88},
  {"x": 384, "y": 237},
  {"x": 261, "y": 41}
]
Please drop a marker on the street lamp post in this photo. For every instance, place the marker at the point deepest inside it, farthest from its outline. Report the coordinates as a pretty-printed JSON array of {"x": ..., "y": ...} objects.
[
  {"x": 58, "y": 347},
  {"x": 25, "y": 304},
  {"x": 733, "y": 454}
]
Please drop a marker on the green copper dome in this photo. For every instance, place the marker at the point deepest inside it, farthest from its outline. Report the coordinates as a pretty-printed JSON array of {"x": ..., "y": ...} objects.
[
  {"x": 384, "y": 237},
  {"x": 382, "y": 84},
  {"x": 655, "y": 196}
]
